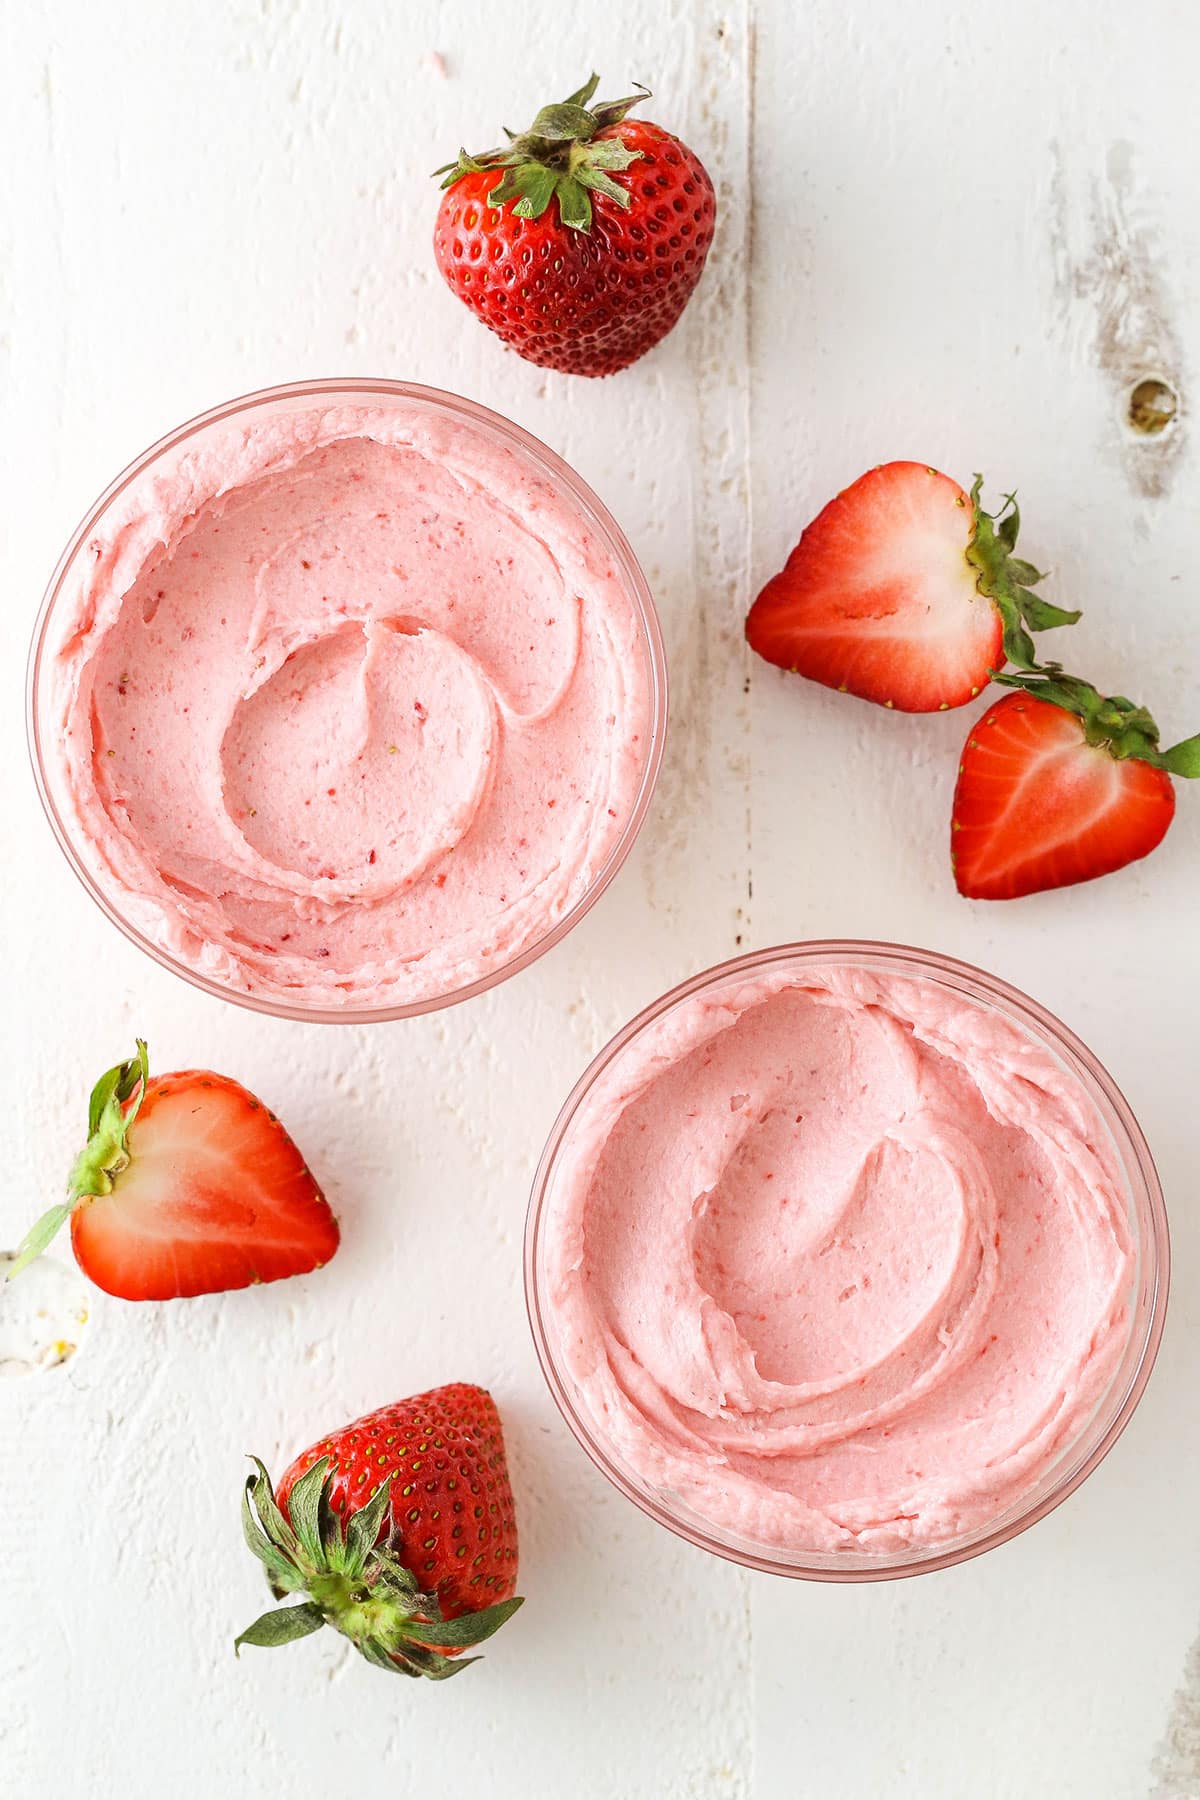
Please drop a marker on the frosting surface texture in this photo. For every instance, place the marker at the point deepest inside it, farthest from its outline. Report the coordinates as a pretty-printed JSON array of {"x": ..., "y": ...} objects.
[
  {"x": 353, "y": 705},
  {"x": 840, "y": 1258}
]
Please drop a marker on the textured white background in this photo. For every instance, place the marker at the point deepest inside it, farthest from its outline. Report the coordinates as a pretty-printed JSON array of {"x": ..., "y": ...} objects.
[{"x": 945, "y": 233}]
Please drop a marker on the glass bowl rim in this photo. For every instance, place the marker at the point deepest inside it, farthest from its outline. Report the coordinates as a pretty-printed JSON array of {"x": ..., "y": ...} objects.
[
  {"x": 1137, "y": 1165},
  {"x": 356, "y": 388}
]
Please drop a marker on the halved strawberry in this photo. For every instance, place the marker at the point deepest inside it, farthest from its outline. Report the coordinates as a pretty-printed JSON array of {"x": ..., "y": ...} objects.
[
  {"x": 188, "y": 1185},
  {"x": 400, "y": 1531},
  {"x": 905, "y": 592},
  {"x": 1058, "y": 785}
]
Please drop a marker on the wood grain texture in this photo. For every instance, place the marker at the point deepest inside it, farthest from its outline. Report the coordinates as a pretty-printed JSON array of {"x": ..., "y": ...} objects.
[{"x": 940, "y": 236}]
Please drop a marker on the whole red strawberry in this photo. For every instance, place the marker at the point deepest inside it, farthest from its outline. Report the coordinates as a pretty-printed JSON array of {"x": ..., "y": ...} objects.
[
  {"x": 187, "y": 1185},
  {"x": 1057, "y": 785},
  {"x": 904, "y": 591},
  {"x": 581, "y": 242},
  {"x": 401, "y": 1530}
]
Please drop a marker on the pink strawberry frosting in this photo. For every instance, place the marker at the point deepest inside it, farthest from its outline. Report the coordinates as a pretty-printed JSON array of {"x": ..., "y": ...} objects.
[
  {"x": 839, "y": 1258},
  {"x": 352, "y": 704}
]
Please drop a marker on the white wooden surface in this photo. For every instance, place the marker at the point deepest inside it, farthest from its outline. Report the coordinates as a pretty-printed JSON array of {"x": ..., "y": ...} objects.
[{"x": 946, "y": 233}]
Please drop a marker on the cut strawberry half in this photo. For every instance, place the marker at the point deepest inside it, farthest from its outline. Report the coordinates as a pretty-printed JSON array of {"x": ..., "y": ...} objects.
[
  {"x": 187, "y": 1185},
  {"x": 904, "y": 592},
  {"x": 1058, "y": 785}
]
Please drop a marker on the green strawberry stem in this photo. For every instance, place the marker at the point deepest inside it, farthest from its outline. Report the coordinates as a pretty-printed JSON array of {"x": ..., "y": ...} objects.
[
  {"x": 1007, "y": 579},
  {"x": 558, "y": 159},
  {"x": 115, "y": 1102},
  {"x": 354, "y": 1582},
  {"x": 1111, "y": 722}
]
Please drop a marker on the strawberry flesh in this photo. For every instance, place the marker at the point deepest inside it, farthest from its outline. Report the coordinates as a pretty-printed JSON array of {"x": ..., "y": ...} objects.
[
  {"x": 215, "y": 1195},
  {"x": 1038, "y": 807},
  {"x": 878, "y": 598}
]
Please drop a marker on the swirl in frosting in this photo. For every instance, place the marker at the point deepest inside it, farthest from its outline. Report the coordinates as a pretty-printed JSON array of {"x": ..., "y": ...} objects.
[
  {"x": 353, "y": 705},
  {"x": 839, "y": 1258}
]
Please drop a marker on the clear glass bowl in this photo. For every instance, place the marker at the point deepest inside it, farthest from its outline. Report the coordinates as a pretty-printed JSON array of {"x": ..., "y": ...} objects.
[
  {"x": 271, "y": 403},
  {"x": 1147, "y": 1301}
]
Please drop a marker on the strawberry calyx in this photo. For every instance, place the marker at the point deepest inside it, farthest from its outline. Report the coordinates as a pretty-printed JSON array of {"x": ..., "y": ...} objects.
[
  {"x": 1006, "y": 579},
  {"x": 1110, "y": 721},
  {"x": 558, "y": 159},
  {"x": 354, "y": 1580},
  {"x": 115, "y": 1102}
]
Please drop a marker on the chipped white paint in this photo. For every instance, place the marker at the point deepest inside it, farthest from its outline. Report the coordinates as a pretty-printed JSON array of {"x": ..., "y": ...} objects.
[
  {"x": 1114, "y": 293},
  {"x": 965, "y": 244},
  {"x": 1178, "y": 1758}
]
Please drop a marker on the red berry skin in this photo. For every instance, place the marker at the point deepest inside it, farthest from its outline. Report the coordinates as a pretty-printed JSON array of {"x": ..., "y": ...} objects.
[
  {"x": 453, "y": 1522},
  {"x": 585, "y": 303}
]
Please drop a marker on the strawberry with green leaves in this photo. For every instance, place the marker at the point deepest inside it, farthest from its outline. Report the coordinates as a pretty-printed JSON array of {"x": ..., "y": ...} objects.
[
  {"x": 581, "y": 241},
  {"x": 187, "y": 1185},
  {"x": 904, "y": 591},
  {"x": 400, "y": 1531},
  {"x": 1059, "y": 784}
]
